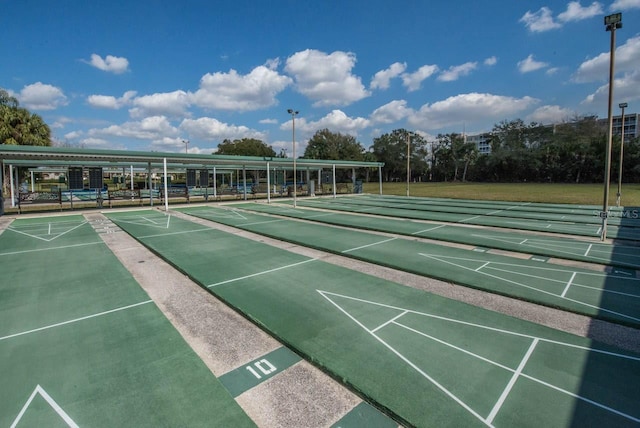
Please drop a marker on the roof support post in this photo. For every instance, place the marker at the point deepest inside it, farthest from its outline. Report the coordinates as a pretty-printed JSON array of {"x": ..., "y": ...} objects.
[
  {"x": 268, "y": 184},
  {"x": 244, "y": 181},
  {"x": 215, "y": 184},
  {"x": 11, "y": 187},
  {"x": 166, "y": 199},
  {"x": 334, "y": 180},
  {"x": 150, "y": 181}
]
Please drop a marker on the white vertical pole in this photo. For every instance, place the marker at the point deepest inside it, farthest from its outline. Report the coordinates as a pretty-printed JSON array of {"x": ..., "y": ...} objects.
[
  {"x": 334, "y": 180},
  {"x": 166, "y": 196},
  {"x": 268, "y": 184},
  {"x": 215, "y": 184},
  {"x": 380, "y": 178},
  {"x": 150, "y": 181},
  {"x": 33, "y": 184},
  {"x": 244, "y": 181},
  {"x": 13, "y": 195},
  {"x": 131, "y": 177}
]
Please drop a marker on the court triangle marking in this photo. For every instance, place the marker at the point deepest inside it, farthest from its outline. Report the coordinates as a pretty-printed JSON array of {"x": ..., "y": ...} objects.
[
  {"x": 47, "y": 232},
  {"x": 50, "y": 401}
]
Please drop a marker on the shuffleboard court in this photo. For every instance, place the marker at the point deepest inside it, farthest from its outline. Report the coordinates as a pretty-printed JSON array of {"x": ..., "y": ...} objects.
[
  {"x": 428, "y": 360},
  {"x": 496, "y": 216},
  {"x": 611, "y": 296},
  {"x": 593, "y": 251},
  {"x": 83, "y": 345}
]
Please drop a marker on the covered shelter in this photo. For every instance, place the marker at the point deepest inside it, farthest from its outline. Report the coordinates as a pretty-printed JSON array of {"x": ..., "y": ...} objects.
[{"x": 202, "y": 171}]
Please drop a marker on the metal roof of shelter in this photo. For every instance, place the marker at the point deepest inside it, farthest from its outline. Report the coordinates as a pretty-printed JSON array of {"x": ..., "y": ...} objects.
[{"x": 50, "y": 156}]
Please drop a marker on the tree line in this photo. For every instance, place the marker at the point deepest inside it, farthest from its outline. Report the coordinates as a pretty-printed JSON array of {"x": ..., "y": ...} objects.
[{"x": 573, "y": 151}]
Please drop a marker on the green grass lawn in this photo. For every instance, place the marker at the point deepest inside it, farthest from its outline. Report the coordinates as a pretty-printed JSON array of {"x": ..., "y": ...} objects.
[{"x": 591, "y": 194}]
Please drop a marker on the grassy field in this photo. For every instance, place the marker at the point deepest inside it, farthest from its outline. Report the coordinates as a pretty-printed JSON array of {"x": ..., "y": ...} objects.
[{"x": 591, "y": 194}]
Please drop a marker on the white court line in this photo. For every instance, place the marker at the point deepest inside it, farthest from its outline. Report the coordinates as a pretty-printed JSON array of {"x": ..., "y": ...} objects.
[
  {"x": 484, "y": 327},
  {"x": 480, "y": 267},
  {"x": 429, "y": 230},
  {"x": 470, "y": 218},
  {"x": 368, "y": 245},
  {"x": 568, "y": 284},
  {"x": 512, "y": 381},
  {"x": 11, "y": 253},
  {"x": 74, "y": 320},
  {"x": 49, "y": 233},
  {"x": 39, "y": 390},
  {"x": 392, "y": 320},
  {"x": 175, "y": 233},
  {"x": 588, "y": 249},
  {"x": 262, "y": 222},
  {"x": 519, "y": 371},
  {"x": 406, "y": 360},
  {"x": 537, "y": 268},
  {"x": 260, "y": 273},
  {"x": 522, "y": 242},
  {"x": 599, "y": 308}
]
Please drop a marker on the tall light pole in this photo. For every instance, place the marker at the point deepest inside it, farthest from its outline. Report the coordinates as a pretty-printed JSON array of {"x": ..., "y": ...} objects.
[
  {"x": 293, "y": 114},
  {"x": 622, "y": 106},
  {"x": 186, "y": 145},
  {"x": 408, "y": 160},
  {"x": 612, "y": 23}
]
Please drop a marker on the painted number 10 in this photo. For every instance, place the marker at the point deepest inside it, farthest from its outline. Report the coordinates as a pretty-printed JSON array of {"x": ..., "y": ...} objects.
[{"x": 264, "y": 366}]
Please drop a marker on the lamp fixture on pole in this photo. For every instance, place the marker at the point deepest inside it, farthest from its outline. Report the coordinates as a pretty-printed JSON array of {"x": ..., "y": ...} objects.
[
  {"x": 293, "y": 114},
  {"x": 186, "y": 145}
]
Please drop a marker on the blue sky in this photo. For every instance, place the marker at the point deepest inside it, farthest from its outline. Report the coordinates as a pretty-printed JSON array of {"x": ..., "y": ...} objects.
[{"x": 148, "y": 75}]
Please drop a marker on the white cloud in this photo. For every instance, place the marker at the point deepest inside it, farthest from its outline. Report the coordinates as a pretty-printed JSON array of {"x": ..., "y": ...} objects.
[
  {"x": 550, "y": 114},
  {"x": 172, "y": 104},
  {"x": 624, "y": 5},
  {"x": 336, "y": 121},
  {"x": 457, "y": 71},
  {"x": 627, "y": 59},
  {"x": 626, "y": 88},
  {"x": 382, "y": 78},
  {"x": 268, "y": 121},
  {"x": 326, "y": 78},
  {"x": 575, "y": 11},
  {"x": 413, "y": 81},
  {"x": 542, "y": 20},
  {"x": 111, "y": 102},
  {"x": 210, "y": 129},
  {"x": 468, "y": 108},
  {"x": 40, "y": 96},
  {"x": 492, "y": 60},
  {"x": 391, "y": 112},
  {"x": 110, "y": 63},
  {"x": 529, "y": 64},
  {"x": 150, "y": 128},
  {"x": 233, "y": 91},
  {"x": 539, "y": 21}
]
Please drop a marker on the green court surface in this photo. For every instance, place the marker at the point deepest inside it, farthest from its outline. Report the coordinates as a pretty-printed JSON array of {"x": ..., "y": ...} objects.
[
  {"x": 83, "y": 345},
  {"x": 582, "y": 221},
  {"x": 611, "y": 296},
  {"x": 627, "y": 256},
  {"x": 428, "y": 360}
]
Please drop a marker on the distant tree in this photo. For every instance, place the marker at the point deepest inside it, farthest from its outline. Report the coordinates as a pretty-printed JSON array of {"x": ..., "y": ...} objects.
[
  {"x": 245, "y": 147},
  {"x": 18, "y": 126},
  {"x": 391, "y": 149},
  {"x": 454, "y": 154},
  {"x": 330, "y": 145}
]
